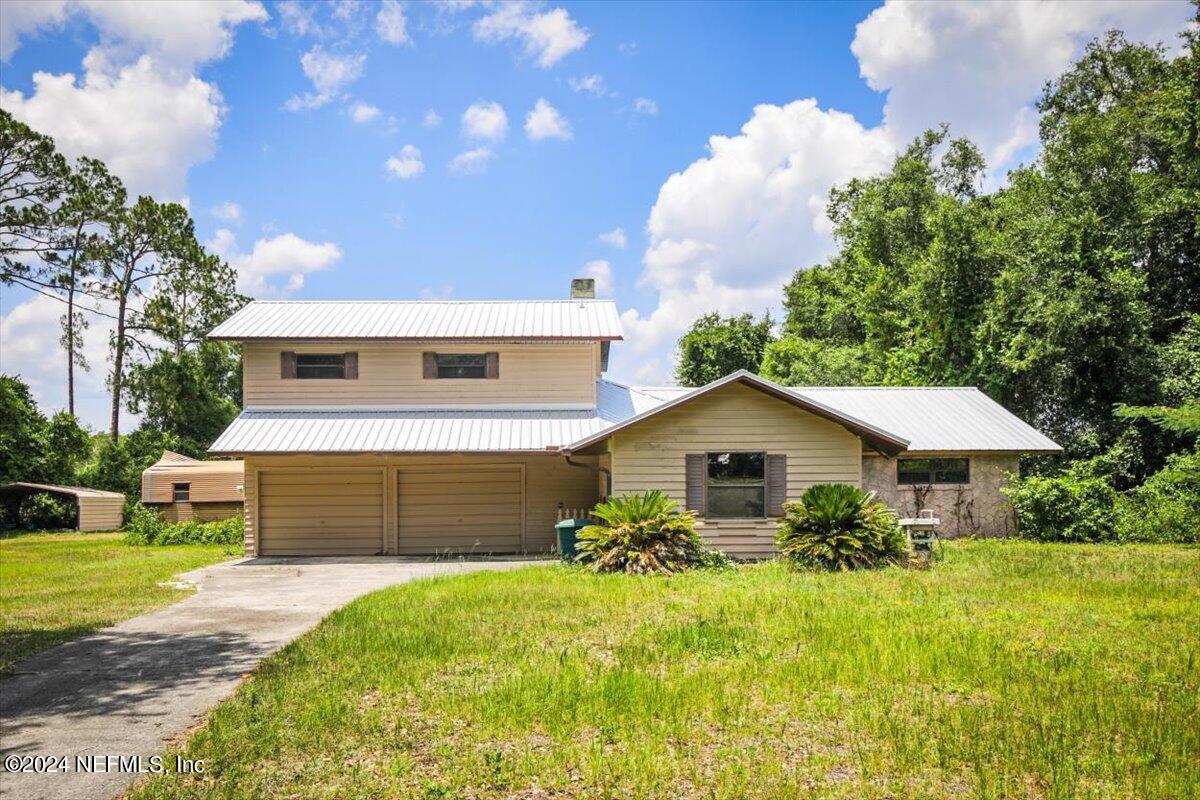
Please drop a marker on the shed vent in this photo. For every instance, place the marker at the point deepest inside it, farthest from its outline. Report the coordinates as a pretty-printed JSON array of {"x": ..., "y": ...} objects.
[{"x": 583, "y": 288}]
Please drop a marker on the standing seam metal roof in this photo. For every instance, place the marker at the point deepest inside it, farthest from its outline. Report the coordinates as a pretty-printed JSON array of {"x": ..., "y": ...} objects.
[{"x": 424, "y": 319}]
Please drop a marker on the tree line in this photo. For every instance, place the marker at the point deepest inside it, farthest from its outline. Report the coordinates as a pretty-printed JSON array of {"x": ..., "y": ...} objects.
[
  {"x": 70, "y": 231},
  {"x": 1071, "y": 294}
]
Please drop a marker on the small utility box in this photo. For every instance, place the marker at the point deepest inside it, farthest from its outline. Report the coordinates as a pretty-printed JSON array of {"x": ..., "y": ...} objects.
[{"x": 568, "y": 532}]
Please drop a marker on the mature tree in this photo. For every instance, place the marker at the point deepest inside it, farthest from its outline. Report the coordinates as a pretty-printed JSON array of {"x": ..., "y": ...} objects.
[
  {"x": 191, "y": 394},
  {"x": 794, "y": 361},
  {"x": 33, "y": 448},
  {"x": 32, "y": 178},
  {"x": 716, "y": 346},
  {"x": 145, "y": 243}
]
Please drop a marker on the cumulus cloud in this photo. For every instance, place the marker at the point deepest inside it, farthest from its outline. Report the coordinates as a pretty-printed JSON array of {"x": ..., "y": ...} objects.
[
  {"x": 22, "y": 19},
  {"x": 546, "y": 36},
  {"x": 592, "y": 84},
  {"x": 431, "y": 119},
  {"x": 616, "y": 237},
  {"x": 407, "y": 164},
  {"x": 286, "y": 257},
  {"x": 545, "y": 122},
  {"x": 728, "y": 230},
  {"x": 329, "y": 75},
  {"x": 601, "y": 271},
  {"x": 149, "y": 128},
  {"x": 228, "y": 212},
  {"x": 484, "y": 120},
  {"x": 472, "y": 162},
  {"x": 391, "y": 24},
  {"x": 644, "y": 105},
  {"x": 362, "y": 113}
]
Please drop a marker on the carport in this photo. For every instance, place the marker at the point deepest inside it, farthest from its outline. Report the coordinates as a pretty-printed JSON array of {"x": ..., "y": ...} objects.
[{"x": 95, "y": 510}]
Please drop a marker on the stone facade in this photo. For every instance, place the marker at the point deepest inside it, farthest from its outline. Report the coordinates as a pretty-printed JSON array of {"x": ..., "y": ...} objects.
[{"x": 968, "y": 509}]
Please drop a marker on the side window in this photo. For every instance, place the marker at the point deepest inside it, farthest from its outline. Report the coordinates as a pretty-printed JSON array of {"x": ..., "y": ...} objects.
[
  {"x": 933, "y": 470},
  {"x": 320, "y": 366},
  {"x": 181, "y": 492},
  {"x": 461, "y": 365},
  {"x": 736, "y": 485}
]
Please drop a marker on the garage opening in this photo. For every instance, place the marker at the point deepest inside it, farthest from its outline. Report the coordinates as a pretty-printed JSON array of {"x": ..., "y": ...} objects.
[
  {"x": 321, "y": 512},
  {"x": 480, "y": 510}
]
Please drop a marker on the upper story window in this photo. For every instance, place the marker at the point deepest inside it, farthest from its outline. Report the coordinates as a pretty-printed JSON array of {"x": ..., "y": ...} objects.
[
  {"x": 736, "y": 485},
  {"x": 933, "y": 470},
  {"x": 318, "y": 366},
  {"x": 181, "y": 492},
  {"x": 461, "y": 365}
]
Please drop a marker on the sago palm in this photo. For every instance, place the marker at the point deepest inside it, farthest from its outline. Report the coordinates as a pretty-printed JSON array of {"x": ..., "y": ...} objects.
[
  {"x": 642, "y": 533},
  {"x": 840, "y": 527}
]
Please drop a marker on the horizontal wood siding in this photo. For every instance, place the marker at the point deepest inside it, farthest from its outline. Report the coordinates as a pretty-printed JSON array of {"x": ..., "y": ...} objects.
[
  {"x": 101, "y": 513},
  {"x": 461, "y": 510},
  {"x": 548, "y": 481},
  {"x": 339, "y": 512},
  {"x": 392, "y": 374},
  {"x": 211, "y": 481},
  {"x": 653, "y": 454}
]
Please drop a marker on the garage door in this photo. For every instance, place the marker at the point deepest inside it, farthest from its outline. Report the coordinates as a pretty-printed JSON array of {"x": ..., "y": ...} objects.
[
  {"x": 321, "y": 512},
  {"x": 477, "y": 510}
]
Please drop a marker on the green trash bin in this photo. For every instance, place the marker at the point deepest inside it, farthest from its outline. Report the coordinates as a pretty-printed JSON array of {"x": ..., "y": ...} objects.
[{"x": 568, "y": 531}]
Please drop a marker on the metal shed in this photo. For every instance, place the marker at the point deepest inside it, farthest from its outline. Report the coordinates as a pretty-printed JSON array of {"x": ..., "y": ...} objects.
[{"x": 97, "y": 510}]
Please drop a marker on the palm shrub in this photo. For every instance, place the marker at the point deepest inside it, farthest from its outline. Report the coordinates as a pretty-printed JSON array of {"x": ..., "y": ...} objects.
[
  {"x": 835, "y": 526},
  {"x": 646, "y": 534}
]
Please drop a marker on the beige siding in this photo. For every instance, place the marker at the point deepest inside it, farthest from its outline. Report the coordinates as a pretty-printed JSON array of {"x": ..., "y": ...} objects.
[
  {"x": 475, "y": 510},
  {"x": 390, "y": 374},
  {"x": 977, "y": 508},
  {"x": 210, "y": 481},
  {"x": 651, "y": 454},
  {"x": 547, "y": 481},
  {"x": 201, "y": 512},
  {"x": 100, "y": 513},
  {"x": 328, "y": 512}
]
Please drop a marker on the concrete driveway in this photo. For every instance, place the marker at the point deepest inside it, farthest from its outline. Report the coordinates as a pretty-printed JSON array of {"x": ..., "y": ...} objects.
[{"x": 127, "y": 690}]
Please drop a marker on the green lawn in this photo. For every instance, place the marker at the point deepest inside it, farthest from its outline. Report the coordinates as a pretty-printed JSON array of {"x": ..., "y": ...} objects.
[
  {"x": 1008, "y": 670},
  {"x": 56, "y": 586}
]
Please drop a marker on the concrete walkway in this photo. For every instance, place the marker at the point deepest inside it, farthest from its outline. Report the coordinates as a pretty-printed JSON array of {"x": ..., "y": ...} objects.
[{"x": 127, "y": 690}]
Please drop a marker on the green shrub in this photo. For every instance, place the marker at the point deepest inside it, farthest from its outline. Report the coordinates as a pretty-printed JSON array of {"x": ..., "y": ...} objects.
[
  {"x": 1075, "y": 506},
  {"x": 835, "y": 526},
  {"x": 42, "y": 512},
  {"x": 1166, "y": 508},
  {"x": 644, "y": 533},
  {"x": 147, "y": 527}
]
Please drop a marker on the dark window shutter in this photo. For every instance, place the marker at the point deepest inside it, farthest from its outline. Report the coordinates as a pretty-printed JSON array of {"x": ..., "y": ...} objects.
[
  {"x": 428, "y": 365},
  {"x": 287, "y": 365},
  {"x": 352, "y": 366},
  {"x": 491, "y": 365},
  {"x": 697, "y": 473},
  {"x": 776, "y": 484}
]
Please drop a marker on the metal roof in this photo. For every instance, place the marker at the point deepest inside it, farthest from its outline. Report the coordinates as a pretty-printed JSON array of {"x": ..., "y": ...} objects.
[
  {"x": 960, "y": 418},
  {"x": 21, "y": 487},
  {"x": 588, "y": 320}
]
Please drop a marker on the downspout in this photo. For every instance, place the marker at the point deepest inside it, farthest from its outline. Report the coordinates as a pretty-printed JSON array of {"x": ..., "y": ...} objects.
[{"x": 607, "y": 472}]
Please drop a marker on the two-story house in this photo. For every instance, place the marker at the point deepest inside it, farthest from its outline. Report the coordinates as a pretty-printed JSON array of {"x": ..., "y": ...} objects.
[{"x": 465, "y": 426}]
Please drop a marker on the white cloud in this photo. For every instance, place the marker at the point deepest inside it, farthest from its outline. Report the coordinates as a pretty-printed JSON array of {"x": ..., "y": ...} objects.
[
  {"x": 472, "y": 162},
  {"x": 362, "y": 113},
  {"x": 284, "y": 256},
  {"x": 391, "y": 24},
  {"x": 593, "y": 84},
  {"x": 644, "y": 105},
  {"x": 407, "y": 164},
  {"x": 228, "y": 212},
  {"x": 431, "y": 119},
  {"x": 329, "y": 75},
  {"x": 616, "y": 237},
  {"x": 28, "y": 336},
  {"x": 483, "y": 120},
  {"x": 979, "y": 65},
  {"x": 180, "y": 35},
  {"x": 601, "y": 271},
  {"x": 547, "y": 36},
  {"x": 444, "y": 292},
  {"x": 298, "y": 19},
  {"x": 545, "y": 122},
  {"x": 149, "y": 128}
]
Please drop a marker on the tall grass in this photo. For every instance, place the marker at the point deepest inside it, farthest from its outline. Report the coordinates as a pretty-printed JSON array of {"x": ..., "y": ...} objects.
[{"x": 1009, "y": 670}]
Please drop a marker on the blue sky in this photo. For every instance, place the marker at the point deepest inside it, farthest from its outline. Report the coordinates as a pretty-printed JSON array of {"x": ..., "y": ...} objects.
[{"x": 276, "y": 123}]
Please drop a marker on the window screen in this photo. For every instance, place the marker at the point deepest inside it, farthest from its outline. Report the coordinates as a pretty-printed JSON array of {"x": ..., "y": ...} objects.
[
  {"x": 319, "y": 366},
  {"x": 461, "y": 365},
  {"x": 181, "y": 492},
  {"x": 736, "y": 486},
  {"x": 933, "y": 470}
]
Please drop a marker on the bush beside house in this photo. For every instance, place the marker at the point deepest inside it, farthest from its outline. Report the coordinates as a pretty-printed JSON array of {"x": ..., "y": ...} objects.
[{"x": 147, "y": 527}]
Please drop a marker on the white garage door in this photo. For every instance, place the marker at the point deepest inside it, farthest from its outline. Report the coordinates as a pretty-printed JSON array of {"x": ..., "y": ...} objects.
[
  {"x": 460, "y": 510},
  {"x": 335, "y": 512}
]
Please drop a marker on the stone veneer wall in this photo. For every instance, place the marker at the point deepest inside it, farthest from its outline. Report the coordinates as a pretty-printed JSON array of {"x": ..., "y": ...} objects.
[{"x": 971, "y": 509}]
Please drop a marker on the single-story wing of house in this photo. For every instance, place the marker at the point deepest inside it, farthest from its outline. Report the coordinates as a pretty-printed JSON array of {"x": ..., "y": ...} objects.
[
  {"x": 473, "y": 426},
  {"x": 184, "y": 488}
]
